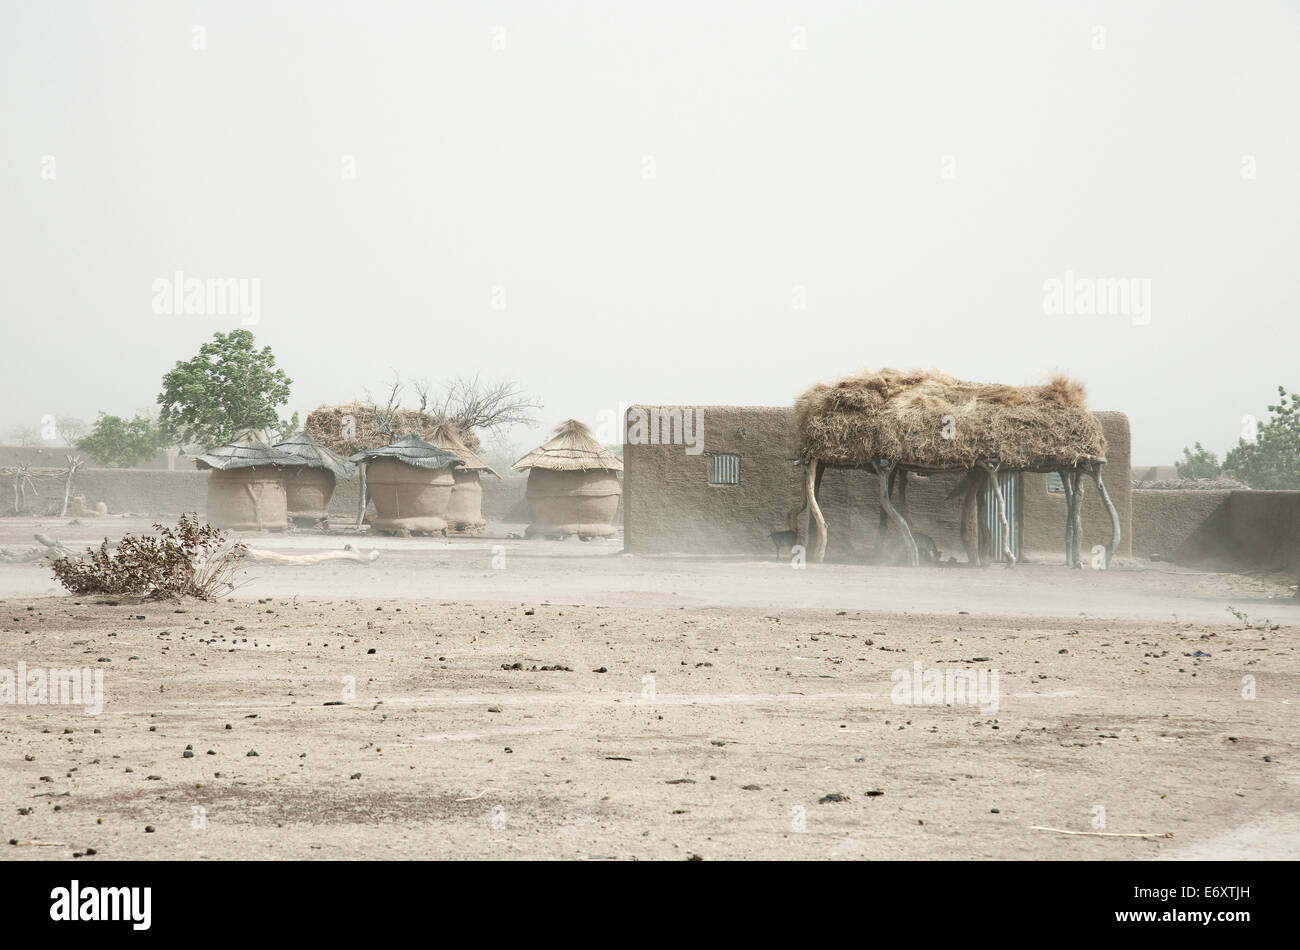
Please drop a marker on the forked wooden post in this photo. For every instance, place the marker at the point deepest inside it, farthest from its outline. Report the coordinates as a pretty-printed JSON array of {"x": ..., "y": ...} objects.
[
  {"x": 1067, "y": 486},
  {"x": 813, "y": 466},
  {"x": 969, "y": 489},
  {"x": 992, "y": 469},
  {"x": 361, "y": 505},
  {"x": 1076, "y": 518},
  {"x": 1094, "y": 469},
  {"x": 884, "y": 469}
]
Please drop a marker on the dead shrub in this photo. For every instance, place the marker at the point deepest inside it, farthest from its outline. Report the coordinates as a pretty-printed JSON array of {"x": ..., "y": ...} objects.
[{"x": 192, "y": 560}]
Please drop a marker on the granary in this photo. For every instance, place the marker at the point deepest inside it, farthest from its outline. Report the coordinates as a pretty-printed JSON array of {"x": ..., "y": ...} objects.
[
  {"x": 465, "y": 509},
  {"x": 573, "y": 485},
  {"x": 746, "y": 484},
  {"x": 897, "y": 423},
  {"x": 410, "y": 482},
  {"x": 310, "y": 486},
  {"x": 246, "y": 490}
]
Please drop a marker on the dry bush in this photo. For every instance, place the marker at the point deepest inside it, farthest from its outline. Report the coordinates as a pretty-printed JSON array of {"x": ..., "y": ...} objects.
[{"x": 193, "y": 560}]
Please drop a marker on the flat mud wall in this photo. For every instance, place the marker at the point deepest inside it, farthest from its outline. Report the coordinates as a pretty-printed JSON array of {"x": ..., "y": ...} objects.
[
  {"x": 159, "y": 492},
  {"x": 671, "y": 508},
  {"x": 1218, "y": 529}
]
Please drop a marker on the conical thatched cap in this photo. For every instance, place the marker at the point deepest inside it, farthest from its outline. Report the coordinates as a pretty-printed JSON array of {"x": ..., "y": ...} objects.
[
  {"x": 412, "y": 450},
  {"x": 572, "y": 449},
  {"x": 931, "y": 420},
  {"x": 244, "y": 453},
  {"x": 445, "y": 435},
  {"x": 316, "y": 455}
]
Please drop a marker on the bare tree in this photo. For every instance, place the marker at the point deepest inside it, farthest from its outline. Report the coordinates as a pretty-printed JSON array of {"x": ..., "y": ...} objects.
[
  {"x": 25, "y": 436},
  {"x": 70, "y": 429},
  {"x": 473, "y": 404},
  {"x": 467, "y": 402}
]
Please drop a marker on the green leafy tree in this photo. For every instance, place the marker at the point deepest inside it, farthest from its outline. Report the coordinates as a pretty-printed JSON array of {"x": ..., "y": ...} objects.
[
  {"x": 121, "y": 443},
  {"x": 1272, "y": 460},
  {"x": 1198, "y": 464},
  {"x": 230, "y": 386}
]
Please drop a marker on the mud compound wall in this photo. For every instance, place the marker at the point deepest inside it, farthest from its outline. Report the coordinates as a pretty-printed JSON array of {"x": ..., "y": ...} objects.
[
  {"x": 1218, "y": 529},
  {"x": 671, "y": 507},
  {"x": 159, "y": 492}
]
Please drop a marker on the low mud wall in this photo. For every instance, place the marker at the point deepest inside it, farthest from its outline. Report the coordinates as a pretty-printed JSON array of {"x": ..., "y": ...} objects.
[
  {"x": 1220, "y": 529},
  {"x": 157, "y": 492}
]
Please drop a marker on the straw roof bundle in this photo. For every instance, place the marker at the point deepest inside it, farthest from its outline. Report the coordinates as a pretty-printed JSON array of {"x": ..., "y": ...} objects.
[
  {"x": 325, "y": 425},
  {"x": 900, "y": 417},
  {"x": 572, "y": 449},
  {"x": 315, "y": 455},
  {"x": 445, "y": 435},
  {"x": 412, "y": 450},
  {"x": 244, "y": 453}
]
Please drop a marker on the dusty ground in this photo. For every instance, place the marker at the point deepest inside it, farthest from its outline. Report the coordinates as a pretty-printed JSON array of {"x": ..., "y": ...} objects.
[{"x": 735, "y": 696}]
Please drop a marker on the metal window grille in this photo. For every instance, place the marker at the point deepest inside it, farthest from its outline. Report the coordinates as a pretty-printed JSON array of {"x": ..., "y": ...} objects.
[
  {"x": 1009, "y": 482},
  {"x": 724, "y": 469}
]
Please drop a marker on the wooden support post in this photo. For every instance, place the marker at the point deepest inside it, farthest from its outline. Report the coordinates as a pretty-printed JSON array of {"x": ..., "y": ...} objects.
[
  {"x": 992, "y": 469},
  {"x": 1067, "y": 486},
  {"x": 969, "y": 489},
  {"x": 885, "y": 470},
  {"x": 813, "y": 471},
  {"x": 883, "y": 525},
  {"x": 1076, "y": 518},
  {"x": 361, "y": 504},
  {"x": 1094, "y": 469}
]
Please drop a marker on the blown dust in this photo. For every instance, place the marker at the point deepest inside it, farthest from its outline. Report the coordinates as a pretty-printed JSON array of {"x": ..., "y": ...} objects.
[{"x": 700, "y": 707}]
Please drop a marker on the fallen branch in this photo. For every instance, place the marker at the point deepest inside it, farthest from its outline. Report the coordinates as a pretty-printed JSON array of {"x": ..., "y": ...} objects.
[
  {"x": 1106, "y": 834},
  {"x": 349, "y": 553},
  {"x": 59, "y": 549},
  {"x": 474, "y": 798}
]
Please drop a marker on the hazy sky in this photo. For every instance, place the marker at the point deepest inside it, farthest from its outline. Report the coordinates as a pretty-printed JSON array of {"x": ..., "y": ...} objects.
[{"x": 632, "y": 200}]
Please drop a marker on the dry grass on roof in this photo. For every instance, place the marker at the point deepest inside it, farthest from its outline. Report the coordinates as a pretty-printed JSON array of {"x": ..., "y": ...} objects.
[
  {"x": 901, "y": 417},
  {"x": 372, "y": 427},
  {"x": 571, "y": 449}
]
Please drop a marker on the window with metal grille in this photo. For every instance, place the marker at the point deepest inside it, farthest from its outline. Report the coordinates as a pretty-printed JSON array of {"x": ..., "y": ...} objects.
[
  {"x": 1054, "y": 486},
  {"x": 724, "y": 469}
]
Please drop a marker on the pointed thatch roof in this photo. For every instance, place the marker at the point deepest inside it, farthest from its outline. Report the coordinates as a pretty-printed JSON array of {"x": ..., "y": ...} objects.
[
  {"x": 445, "y": 435},
  {"x": 316, "y": 455},
  {"x": 412, "y": 450},
  {"x": 572, "y": 449},
  {"x": 244, "y": 453},
  {"x": 903, "y": 417}
]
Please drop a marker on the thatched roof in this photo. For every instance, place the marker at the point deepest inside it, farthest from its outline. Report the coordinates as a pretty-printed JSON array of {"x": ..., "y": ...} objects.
[
  {"x": 900, "y": 417},
  {"x": 412, "y": 450},
  {"x": 445, "y": 435},
  {"x": 244, "y": 453},
  {"x": 325, "y": 424},
  {"x": 572, "y": 449},
  {"x": 316, "y": 455}
]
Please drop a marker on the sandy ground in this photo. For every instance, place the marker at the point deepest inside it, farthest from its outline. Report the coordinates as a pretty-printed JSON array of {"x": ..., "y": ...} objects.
[{"x": 701, "y": 708}]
